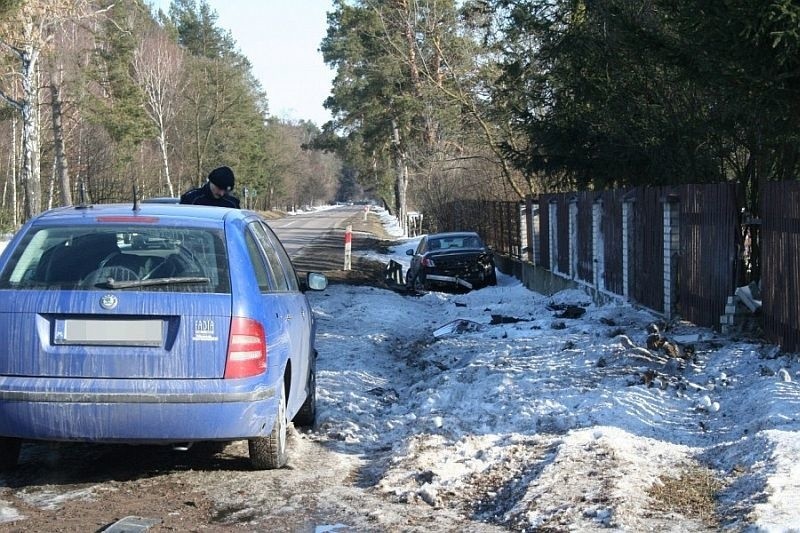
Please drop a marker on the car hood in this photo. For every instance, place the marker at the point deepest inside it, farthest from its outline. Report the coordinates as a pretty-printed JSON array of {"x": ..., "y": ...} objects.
[{"x": 460, "y": 253}]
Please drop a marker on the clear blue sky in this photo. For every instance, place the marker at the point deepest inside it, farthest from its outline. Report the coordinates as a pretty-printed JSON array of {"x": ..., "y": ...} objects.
[{"x": 281, "y": 39}]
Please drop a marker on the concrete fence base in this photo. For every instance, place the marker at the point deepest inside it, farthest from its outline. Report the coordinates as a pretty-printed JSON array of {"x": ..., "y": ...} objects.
[
  {"x": 543, "y": 281},
  {"x": 534, "y": 278}
]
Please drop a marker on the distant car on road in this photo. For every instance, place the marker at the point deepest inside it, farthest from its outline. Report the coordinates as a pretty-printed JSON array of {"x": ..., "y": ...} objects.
[
  {"x": 160, "y": 324},
  {"x": 454, "y": 260}
]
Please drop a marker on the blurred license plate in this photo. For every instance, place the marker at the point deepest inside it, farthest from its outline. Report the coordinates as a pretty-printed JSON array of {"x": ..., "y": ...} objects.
[{"x": 109, "y": 332}]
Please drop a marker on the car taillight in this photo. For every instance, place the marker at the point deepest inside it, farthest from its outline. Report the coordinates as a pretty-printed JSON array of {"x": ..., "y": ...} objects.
[
  {"x": 247, "y": 349},
  {"x": 428, "y": 262}
]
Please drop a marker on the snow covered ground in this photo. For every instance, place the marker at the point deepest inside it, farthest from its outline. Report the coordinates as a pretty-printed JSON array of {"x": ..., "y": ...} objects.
[{"x": 496, "y": 404}]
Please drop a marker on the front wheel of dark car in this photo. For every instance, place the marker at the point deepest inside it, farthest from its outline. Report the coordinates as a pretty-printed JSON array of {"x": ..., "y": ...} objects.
[
  {"x": 268, "y": 453},
  {"x": 416, "y": 283},
  {"x": 9, "y": 452},
  {"x": 410, "y": 279}
]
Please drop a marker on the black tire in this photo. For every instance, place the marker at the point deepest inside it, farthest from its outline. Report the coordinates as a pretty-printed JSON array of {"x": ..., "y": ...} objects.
[
  {"x": 9, "y": 453},
  {"x": 307, "y": 415},
  {"x": 416, "y": 284},
  {"x": 269, "y": 453},
  {"x": 410, "y": 281}
]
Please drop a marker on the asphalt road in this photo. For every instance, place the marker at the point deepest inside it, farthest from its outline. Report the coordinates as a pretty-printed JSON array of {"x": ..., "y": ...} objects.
[{"x": 305, "y": 229}]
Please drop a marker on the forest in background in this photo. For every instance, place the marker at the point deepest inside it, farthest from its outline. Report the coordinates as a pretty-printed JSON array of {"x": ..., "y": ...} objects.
[
  {"x": 101, "y": 96},
  {"x": 433, "y": 101}
]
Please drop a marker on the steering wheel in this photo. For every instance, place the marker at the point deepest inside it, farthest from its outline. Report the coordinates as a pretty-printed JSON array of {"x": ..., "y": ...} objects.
[{"x": 104, "y": 261}]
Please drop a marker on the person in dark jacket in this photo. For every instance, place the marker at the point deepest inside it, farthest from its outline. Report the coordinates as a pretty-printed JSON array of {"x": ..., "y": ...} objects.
[{"x": 215, "y": 192}]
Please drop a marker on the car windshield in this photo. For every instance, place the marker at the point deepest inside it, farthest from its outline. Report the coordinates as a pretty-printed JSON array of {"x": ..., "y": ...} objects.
[{"x": 131, "y": 258}]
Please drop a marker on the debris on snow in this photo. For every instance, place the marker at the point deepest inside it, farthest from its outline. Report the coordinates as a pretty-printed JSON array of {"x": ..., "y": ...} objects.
[{"x": 458, "y": 326}]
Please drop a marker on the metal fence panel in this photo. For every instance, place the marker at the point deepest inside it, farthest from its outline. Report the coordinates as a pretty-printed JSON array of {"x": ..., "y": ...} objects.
[
  {"x": 498, "y": 223},
  {"x": 780, "y": 263},
  {"x": 707, "y": 262},
  {"x": 544, "y": 230},
  {"x": 646, "y": 254},
  {"x": 562, "y": 233},
  {"x": 611, "y": 228},
  {"x": 584, "y": 237}
]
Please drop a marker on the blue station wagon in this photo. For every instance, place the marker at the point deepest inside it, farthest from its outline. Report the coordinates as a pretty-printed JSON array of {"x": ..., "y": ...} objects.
[{"x": 154, "y": 324}]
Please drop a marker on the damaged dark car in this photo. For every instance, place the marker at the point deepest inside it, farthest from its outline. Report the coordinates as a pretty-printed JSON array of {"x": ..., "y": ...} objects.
[{"x": 451, "y": 261}]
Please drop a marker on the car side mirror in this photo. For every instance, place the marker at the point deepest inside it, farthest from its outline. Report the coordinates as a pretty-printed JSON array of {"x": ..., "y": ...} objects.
[
  {"x": 409, "y": 252},
  {"x": 316, "y": 281}
]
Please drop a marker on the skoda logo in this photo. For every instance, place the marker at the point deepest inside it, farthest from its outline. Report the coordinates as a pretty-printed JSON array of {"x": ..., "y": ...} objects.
[{"x": 108, "y": 301}]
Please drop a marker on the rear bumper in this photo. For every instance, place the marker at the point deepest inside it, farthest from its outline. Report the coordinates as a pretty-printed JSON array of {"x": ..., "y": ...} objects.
[{"x": 135, "y": 411}]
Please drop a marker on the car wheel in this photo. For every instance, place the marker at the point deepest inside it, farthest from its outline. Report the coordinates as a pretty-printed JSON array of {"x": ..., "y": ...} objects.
[
  {"x": 307, "y": 414},
  {"x": 410, "y": 280},
  {"x": 9, "y": 452},
  {"x": 267, "y": 453},
  {"x": 416, "y": 284}
]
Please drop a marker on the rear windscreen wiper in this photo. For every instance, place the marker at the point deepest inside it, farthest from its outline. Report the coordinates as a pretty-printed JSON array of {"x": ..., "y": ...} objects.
[{"x": 113, "y": 284}]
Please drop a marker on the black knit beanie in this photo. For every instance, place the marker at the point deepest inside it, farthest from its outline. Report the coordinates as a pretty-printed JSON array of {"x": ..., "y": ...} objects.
[{"x": 222, "y": 177}]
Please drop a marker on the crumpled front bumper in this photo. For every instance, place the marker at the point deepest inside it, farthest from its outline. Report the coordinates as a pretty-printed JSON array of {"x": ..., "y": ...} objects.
[{"x": 448, "y": 279}]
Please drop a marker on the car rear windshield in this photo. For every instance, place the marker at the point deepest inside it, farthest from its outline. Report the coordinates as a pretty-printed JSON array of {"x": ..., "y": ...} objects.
[
  {"x": 455, "y": 242},
  {"x": 134, "y": 258}
]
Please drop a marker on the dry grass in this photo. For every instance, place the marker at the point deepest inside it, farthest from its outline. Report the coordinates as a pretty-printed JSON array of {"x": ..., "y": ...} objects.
[{"x": 692, "y": 494}]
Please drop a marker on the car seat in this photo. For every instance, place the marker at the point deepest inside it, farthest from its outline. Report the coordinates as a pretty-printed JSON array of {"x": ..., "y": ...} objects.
[
  {"x": 73, "y": 259},
  {"x": 141, "y": 265}
]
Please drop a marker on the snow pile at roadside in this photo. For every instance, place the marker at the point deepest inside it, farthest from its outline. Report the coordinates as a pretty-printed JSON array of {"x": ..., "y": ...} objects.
[{"x": 498, "y": 404}]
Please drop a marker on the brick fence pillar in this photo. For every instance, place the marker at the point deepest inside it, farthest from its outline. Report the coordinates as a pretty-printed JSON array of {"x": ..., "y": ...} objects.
[
  {"x": 671, "y": 250},
  {"x": 598, "y": 247},
  {"x": 627, "y": 226}
]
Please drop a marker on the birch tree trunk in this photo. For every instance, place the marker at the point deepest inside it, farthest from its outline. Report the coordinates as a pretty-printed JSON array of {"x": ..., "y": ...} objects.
[
  {"x": 14, "y": 166},
  {"x": 31, "y": 173},
  {"x": 162, "y": 145},
  {"x": 158, "y": 65}
]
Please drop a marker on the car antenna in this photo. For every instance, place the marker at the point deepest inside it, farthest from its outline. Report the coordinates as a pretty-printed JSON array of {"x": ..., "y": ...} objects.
[
  {"x": 135, "y": 198},
  {"x": 82, "y": 204}
]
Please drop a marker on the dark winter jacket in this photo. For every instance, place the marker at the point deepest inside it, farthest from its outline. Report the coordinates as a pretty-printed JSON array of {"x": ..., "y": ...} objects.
[{"x": 202, "y": 196}]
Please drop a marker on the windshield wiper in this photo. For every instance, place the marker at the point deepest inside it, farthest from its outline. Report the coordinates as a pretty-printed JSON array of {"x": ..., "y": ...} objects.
[{"x": 113, "y": 284}]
